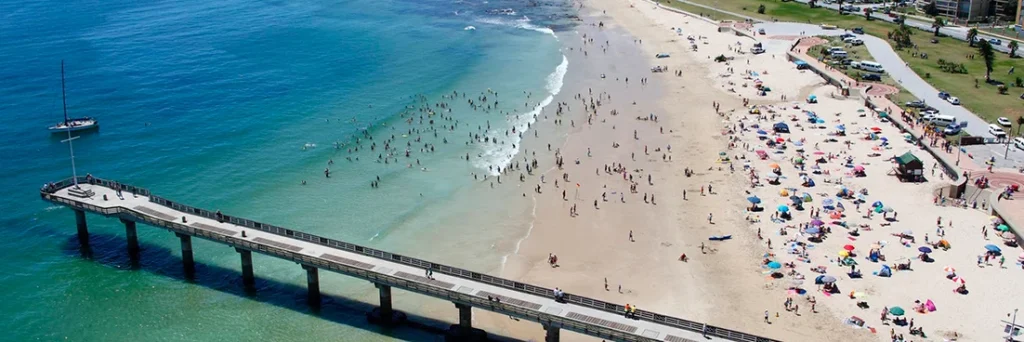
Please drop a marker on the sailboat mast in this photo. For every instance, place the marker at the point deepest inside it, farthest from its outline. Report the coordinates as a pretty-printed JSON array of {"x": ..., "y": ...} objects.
[{"x": 63, "y": 94}]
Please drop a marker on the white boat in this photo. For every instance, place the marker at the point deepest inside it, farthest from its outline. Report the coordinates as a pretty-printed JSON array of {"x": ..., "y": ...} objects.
[{"x": 71, "y": 124}]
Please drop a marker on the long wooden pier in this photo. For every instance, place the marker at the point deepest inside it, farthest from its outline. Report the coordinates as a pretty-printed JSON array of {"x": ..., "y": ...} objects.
[{"x": 466, "y": 289}]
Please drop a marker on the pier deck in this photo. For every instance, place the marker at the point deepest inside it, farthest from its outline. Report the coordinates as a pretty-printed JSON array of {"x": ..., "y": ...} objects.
[{"x": 464, "y": 288}]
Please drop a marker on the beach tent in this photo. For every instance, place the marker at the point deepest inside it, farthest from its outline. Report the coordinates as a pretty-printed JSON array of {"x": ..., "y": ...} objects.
[
  {"x": 781, "y": 127},
  {"x": 884, "y": 272},
  {"x": 801, "y": 65}
]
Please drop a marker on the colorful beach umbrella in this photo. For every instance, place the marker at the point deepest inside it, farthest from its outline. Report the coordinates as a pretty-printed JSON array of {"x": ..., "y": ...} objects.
[
  {"x": 993, "y": 248},
  {"x": 844, "y": 253},
  {"x": 774, "y": 165},
  {"x": 924, "y": 249},
  {"x": 1003, "y": 228},
  {"x": 783, "y": 208},
  {"x": 817, "y": 222},
  {"x": 754, "y": 199},
  {"x": 849, "y": 247},
  {"x": 813, "y": 230},
  {"x": 774, "y": 265},
  {"x": 858, "y": 168},
  {"x": 949, "y": 269},
  {"x": 897, "y": 311},
  {"x": 825, "y": 279}
]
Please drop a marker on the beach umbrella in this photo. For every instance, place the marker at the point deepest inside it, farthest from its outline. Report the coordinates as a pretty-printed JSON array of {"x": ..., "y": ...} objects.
[
  {"x": 841, "y": 127},
  {"x": 858, "y": 168},
  {"x": 993, "y": 248},
  {"x": 835, "y": 215},
  {"x": 949, "y": 269},
  {"x": 818, "y": 153},
  {"x": 825, "y": 279},
  {"x": 885, "y": 139},
  {"x": 784, "y": 192},
  {"x": 844, "y": 253},
  {"x": 1003, "y": 228},
  {"x": 828, "y": 202},
  {"x": 849, "y": 247},
  {"x": 780, "y": 139},
  {"x": 860, "y": 110},
  {"x": 876, "y": 204},
  {"x": 762, "y": 132},
  {"x": 960, "y": 280},
  {"x": 924, "y": 249},
  {"x": 817, "y": 222},
  {"x": 798, "y": 143},
  {"x": 783, "y": 208},
  {"x": 897, "y": 311},
  {"x": 774, "y": 165},
  {"x": 876, "y": 129},
  {"x": 1021, "y": 257},
  {"x": 888, "y": 209},
  {"x": 774, "y": 265},
  {"x": 908, "y": 232},
  {"x": 813, "y": 230},
  {"x": 754, "y": 199},
  {"x": 807, "y": 197}
]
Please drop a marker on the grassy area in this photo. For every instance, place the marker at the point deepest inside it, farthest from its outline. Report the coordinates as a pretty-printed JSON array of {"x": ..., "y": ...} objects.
[
  {"x": 701, "y": 11},
  {"x": 984, "y": 100}
]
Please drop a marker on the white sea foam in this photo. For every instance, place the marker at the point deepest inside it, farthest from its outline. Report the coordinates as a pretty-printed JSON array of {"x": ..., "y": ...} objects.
[
  {"x": 519, "y": 243},
  {"x": 500, "y": 155},
  {"x": 522, "y": 23}
]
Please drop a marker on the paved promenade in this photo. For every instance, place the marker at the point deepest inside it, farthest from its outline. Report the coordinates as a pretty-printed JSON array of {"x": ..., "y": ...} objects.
[{"x": 581, "y": 314}]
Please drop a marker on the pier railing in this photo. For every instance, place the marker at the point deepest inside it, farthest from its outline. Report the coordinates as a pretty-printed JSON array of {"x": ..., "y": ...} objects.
[{"x": 388, "y": 256}]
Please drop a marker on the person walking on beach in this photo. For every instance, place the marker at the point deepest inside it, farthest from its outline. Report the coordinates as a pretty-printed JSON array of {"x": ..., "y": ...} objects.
[
  {"x": 766, "y": 317},
  {"x": 709, "y": 218},
  {"x": 631, "y": 236}
]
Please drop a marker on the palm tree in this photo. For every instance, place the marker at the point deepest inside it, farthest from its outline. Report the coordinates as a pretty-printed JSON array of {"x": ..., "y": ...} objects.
[
  {"x": 937, "y": 24},
  {"x": 867, "y": 13},
  {"x": 840, "y": 7},
  {"x": 972, "y": 34},
  {"x": 1013, "y": 47},
  {"x": 988, "y": 55},
  {"x": 1020, "y": 122},
  {"x": 812, "y": 3}
]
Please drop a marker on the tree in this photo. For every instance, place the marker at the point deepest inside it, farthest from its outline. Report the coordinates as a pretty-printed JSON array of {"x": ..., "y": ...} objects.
[
  {"x": 1013, "y": 47},
  {"x": 867, "y": 13},
  {"x": 1020, "y": 122},
  {"x": 902, "y": 37},
  {"x": 937, "y": 24},
  {"x": 988, "y": 54},
  {"x": 812, "y": 3},
  {"x": 931, "y": 9},
  {"x": 760, "y": 9},
  {"x": 972, "y": 34},
  {"x": 840, "y": 7}
]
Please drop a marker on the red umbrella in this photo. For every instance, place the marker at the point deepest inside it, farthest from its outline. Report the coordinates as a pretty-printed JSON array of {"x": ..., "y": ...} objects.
[
  {"x": 849, "y": 247},
  {"x": 876, "y": 129}
]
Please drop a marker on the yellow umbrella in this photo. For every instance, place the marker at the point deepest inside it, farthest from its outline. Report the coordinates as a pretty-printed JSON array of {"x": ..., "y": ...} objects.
[
  {"x": 844, "y": 253},
  {"x": 784, "y": 192}
]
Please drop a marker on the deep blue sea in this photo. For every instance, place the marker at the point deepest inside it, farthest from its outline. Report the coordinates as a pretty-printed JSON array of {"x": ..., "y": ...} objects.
[{"x": 231, "y": 105}]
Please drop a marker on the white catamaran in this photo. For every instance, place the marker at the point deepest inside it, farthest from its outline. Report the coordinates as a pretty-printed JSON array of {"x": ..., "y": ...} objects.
[{"x": 71, "y": 124}]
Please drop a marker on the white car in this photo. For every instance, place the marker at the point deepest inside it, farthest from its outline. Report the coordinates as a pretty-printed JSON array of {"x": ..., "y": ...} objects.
[
  {"x": 1003, "y": 121},
  {"x": 1018, "y": 142},
  {"x": 953, "y": 100}
]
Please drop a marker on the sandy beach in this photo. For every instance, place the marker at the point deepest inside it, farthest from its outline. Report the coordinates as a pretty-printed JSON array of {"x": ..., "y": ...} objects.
[{"x": 641, "y": 183}]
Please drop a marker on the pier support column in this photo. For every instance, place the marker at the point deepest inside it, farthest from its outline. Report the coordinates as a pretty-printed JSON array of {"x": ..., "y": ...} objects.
[
  {"x": 248, "y": 279},
  {"x": 385, "y": 299},
  {"x": 465, "y": 315},
  {"x": 312, "y": 284},
  {"x": 384, "y": 314},
  {"x": 187, "y": 261},
  {"x": 83, "y": 228},
  {"x": 464, "y": 331},
  {"x": 552, "y": 334},
  {"x": 133, "y": 238}
]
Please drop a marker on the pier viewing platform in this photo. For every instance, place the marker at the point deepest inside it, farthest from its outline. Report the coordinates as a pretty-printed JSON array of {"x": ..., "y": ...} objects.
[{"x": 465, "y": 289}]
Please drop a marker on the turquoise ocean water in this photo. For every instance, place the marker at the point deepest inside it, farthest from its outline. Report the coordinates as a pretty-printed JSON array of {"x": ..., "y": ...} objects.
[{"x": 230, "y": 105}]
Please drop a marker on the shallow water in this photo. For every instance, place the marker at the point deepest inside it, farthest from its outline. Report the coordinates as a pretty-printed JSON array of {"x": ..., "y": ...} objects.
[{"x": 230, "y": 106}]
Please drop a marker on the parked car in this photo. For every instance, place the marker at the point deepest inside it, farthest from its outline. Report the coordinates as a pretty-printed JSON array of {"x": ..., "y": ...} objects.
[
  {"x": 1018, "y": 142},
  {"x": 994, "y": 41},
  {"x": 855, "y": 42},
  {"x": 997, "y": 131},
  {"x": 871, "y": 77},
  {"x": 760, "y": 31},
  {"x": 943, "y": 95},
  {"x": 846, "y": 36},
  {"x": 858, "y": 30},
  {"x": 1003, "y": 121},
  {"x": 929, "y": 111},
  {"x": 952, "y": 130},
  {"x": 916, "y": 104},
  {"x": 953, "y": 100}
]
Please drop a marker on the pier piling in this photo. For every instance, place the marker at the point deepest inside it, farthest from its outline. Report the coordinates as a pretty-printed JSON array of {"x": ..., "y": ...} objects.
[
  {"x": 552, "y": 333},
  {"x": 248, "y": 279},
  {"x": 83, "y": 228},
  {"x": 187, "y": 262},
  {"x": 133, "y": 239},
  {"x": 312, "y": 284}
]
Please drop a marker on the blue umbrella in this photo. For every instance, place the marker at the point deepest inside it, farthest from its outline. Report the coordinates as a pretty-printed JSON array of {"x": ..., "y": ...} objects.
[
  {"x": 813, "y": 230},
  {"x": 828, "y": 202},
  {"x": 774, "y": 265},
  {"x": 993, "y": 248},
  {"x": 783, "y": 208},
  {"x": 876, "y": 204},
  {"x": 924, "y": 249},
  {"x": 841, "y": 127},
  {"x": 754, "y": 199},
  {"x": 885, "y": 139},
  {"x": 761, "y": 132}
]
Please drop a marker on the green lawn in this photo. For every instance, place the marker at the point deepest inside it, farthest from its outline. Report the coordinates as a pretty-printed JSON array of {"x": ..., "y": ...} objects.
[
  {"x": 860, "y": 53},
  {"x": 985, "y": 101},
  {"x": 700, "y": 10}
]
